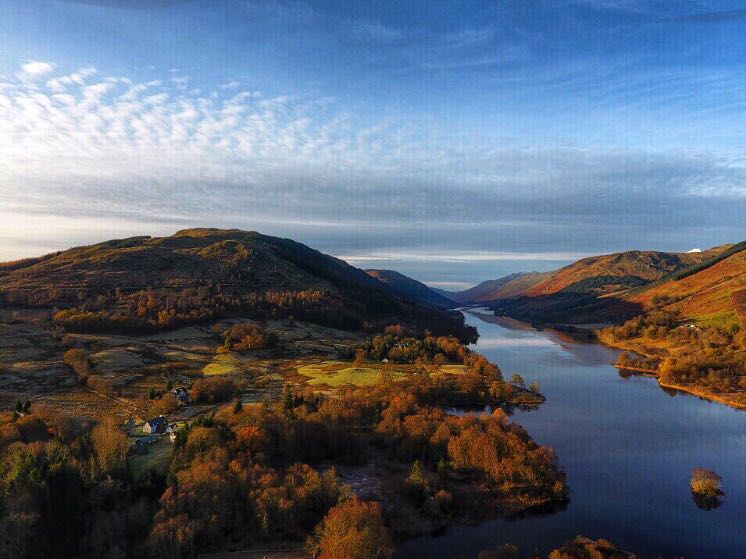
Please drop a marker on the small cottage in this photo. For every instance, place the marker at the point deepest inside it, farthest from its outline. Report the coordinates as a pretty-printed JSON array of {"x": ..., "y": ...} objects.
[
  {"x": 171, "y": 428},
  {"x": 182, "y": 394},
  {"x": 156, "y": 425}
]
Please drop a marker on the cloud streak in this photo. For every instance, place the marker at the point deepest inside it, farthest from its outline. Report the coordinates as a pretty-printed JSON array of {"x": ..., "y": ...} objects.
[{"x": 154, "y": 156}]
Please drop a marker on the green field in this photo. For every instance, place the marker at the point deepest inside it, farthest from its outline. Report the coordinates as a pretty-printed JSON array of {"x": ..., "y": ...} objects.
[
  {"x": 223, "y": 364},
  {"x": 156, "y": 458},
  {"x": 340, "y": 373},
  {"x": 337, "y": 373}
]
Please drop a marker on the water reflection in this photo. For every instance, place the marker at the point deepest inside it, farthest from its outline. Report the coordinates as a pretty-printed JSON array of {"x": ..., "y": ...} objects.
[
  {"x": 628, "y": 449},
  {"x": 707, "y": 502}
]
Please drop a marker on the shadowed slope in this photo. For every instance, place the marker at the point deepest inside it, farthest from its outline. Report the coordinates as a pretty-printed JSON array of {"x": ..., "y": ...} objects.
[
  {"x": 145, "y": 283},
  {"x": 411, "y": 288}
]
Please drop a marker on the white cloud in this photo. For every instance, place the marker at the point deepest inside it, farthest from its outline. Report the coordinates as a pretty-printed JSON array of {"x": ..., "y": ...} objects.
[
  {"x": 76, "y": 78},
  {"x": 35, "y": 69},
  {"x": 79, "y": 146}
]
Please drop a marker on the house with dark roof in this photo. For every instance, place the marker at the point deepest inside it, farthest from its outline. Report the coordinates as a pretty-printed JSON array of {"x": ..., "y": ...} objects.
[
  {"x": 182, "y": 394},
  {"x": 155, "y": 425}
]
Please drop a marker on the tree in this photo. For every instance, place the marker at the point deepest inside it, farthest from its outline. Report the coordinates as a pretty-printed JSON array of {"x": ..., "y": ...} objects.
[
  {"x": 359, "y": 357},
  {"x": 442, "y": 470},
  {"x": 706, "y": 482},
  {"x": 288, "y": 398},
  {"x": 237, "y": 405},
  {"x": 110, "y": 446},
  {"x": 78, "y": 360},
  {"x": 417, "y": 476},
  {"x": 164, "y": 405},
  {"x": 352, "y": 529},
  {"x": 518, "y": 380}
]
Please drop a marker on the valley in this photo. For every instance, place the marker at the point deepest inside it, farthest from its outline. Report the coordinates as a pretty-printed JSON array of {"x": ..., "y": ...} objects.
[
  {"x": 680, "y": 315},
  {"x": 219, "y": 379},
  {"x": 162, "y": 373}
]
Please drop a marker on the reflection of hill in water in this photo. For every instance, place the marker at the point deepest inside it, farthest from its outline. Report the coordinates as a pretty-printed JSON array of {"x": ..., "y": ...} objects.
[{"x": 582, "y": 352}]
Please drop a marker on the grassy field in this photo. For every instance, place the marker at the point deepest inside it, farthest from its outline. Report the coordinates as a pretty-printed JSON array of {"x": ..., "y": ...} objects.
[
  {"x": 340, "y": 373},
  {"x": 223, "y": 364},
  {"x": 337, "y": 373},
  {"x": 114, "y": 360},
  {"x": 156, "y": 458}
]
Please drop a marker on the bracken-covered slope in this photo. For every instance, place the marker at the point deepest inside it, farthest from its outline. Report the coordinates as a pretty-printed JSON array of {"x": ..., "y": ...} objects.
[
  {"x": 595, "y": 276},
  {"x": 145, "y": 283},
  {"x": 600, "y": 288},
  {"x": 714, "y": 294},
  {"x": 599, "y": 275},
  {"x": 411, "y": 288}
]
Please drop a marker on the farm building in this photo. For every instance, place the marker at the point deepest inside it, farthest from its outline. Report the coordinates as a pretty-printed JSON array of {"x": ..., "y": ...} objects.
[{"x": 155, "y": 425}]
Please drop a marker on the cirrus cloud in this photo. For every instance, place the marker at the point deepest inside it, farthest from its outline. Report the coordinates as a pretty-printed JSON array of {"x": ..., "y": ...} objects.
[{"x": 85, "y": 146}]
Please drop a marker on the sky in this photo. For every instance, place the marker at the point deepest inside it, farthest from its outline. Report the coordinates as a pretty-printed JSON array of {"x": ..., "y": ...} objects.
[{"x": 452, "y": 141}]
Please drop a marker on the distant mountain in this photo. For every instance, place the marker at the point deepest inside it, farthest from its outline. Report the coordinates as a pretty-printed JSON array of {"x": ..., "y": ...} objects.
[
  {"x": 150, "y": 283},
  {"x": 599, "y": 275},
  {"x": 610, "y": 287},
  {"x": 501, "y": 288},
  {"x": 411, "y": 288},
  {"x": 443, "y": 292}
]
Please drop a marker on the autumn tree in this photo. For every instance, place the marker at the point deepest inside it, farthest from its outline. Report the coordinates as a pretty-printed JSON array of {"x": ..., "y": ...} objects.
[
  {"x": 78, "y": 360},
  {"x": 353, "y": 529},
  {"x": 706, "y": 482},
  {"x": 359, "y": 357},
  {"x": 110, "y": 446}
]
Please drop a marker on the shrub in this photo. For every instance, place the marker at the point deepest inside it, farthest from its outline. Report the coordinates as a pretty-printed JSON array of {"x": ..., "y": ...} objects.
[
  {"x": 706, "y": 482},
  {"x": 213, "y": 389}
]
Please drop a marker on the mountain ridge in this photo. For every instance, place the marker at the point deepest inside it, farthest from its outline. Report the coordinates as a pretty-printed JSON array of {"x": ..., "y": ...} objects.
[
  {"x": 411, "y": 288},
  {"x": 149, "y": 283}
]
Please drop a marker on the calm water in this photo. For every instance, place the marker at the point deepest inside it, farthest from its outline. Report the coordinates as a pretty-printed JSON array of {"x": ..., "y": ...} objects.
[{"x": 628, "y": 448}]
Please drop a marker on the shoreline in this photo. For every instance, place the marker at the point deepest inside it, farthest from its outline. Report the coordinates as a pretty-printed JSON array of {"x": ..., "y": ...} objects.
[{"x": 653, "y": 373}]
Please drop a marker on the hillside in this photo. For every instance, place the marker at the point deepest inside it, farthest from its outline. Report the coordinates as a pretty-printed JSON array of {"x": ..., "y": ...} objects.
[
  {"x": 713, "y": 295},
  {"x": 609, "y": 273},
  {"x": 411, "y": 288},
  {"x": 151, "y": 283},
  {"x": 501, "y": 288},
  {"x": 598, "y": 288},
  {"x": 593, "y": 276},
  {"x": 443, "y": 292}
]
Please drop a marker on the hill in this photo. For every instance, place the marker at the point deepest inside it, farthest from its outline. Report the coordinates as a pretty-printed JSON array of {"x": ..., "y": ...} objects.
[
  {"x": 610, "y": 273},
  {"x": 690, "y": 329},
  {"x": 593, "y": 276},
  {"x": 443, "y": 292},
  {"x": 501, "y": 288},
  {"x": 151, "y": 283},
  {"x": 712, "y": 293},
  {"x": 411, "y": 288},
  {"x": 598, "y": 288}
]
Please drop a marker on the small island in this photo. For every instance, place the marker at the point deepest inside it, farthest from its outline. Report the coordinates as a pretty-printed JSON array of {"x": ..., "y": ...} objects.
[{"x": 706, "y": 490}]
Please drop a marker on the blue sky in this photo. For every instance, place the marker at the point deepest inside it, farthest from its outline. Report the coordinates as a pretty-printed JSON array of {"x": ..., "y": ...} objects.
[{"x": 454, "y": 141}]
